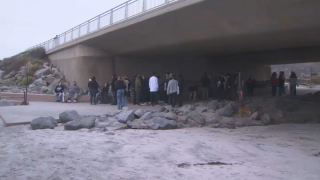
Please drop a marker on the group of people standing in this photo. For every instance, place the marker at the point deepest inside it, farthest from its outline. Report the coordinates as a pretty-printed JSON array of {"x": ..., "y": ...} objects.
[
  {"x": 278, "y": 83},
  {"x": 154, "y": 90},
  {"x": 223, "y": 86}
]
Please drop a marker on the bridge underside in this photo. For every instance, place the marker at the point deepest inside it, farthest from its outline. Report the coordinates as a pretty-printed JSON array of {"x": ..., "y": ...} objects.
[{"x": 208, "y": 36}]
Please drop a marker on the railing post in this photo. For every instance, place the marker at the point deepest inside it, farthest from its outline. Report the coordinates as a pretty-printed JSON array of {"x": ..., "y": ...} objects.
[
  {"x": 111, "y": 17},
  {"x": 79, "y": 32},
  {"x": 98, "y": 24},
  {"x": 144, "y": 7},
  {"x": 65, "y": 37},
  {"x": 71, "y": 35},
  {"x": 126, "y": 11},
  {"x": 88, "y": 30}
]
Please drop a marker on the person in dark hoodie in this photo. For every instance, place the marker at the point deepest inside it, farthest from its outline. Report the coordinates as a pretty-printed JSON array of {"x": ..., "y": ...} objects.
[
  {"x": 113, "y": 90},
  {"x": 138, "y": 89},
  {"x": 93, "y": 88},
  {"x": 120, "y": 86},
  {"x": 58, "y": 92}
]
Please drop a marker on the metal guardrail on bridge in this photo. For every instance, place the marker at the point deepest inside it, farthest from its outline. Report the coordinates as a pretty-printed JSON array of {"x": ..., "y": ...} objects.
[{"x": 123, "y": 12}]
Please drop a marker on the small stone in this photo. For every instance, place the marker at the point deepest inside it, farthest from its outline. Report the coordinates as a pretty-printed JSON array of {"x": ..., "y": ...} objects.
[{"x": 109, "y": 133}]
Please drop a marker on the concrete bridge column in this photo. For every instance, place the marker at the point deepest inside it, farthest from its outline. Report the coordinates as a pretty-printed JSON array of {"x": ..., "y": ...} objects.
[{"x": 81, "y": 62}]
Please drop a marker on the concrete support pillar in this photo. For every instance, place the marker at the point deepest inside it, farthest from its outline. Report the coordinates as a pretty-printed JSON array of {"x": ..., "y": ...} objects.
[{"x": 80, "y": 63}]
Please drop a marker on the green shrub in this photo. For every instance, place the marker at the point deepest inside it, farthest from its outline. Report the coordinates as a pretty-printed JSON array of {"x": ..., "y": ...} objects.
[
  {"x": 30, "y": 80},
  {"x": 36, "y": 61},
  {"x": 33, "y": 68}
]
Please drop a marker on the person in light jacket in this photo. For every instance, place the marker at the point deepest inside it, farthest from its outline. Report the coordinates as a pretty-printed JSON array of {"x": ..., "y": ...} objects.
[
  {"x": 293, "y": 84},
  {"x": 173, "y": 90},
  {"x": 154, "y": 87}
]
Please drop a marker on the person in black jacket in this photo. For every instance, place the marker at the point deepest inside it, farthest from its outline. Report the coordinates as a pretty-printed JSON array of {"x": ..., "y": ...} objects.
[
  {"x": 113, "y": 90},
  {"x": 93, "y": 88},
  {"x": 205, "y": 81},
  {"x": 58, "y": 92},
  {"x": 120, "y": 86}
]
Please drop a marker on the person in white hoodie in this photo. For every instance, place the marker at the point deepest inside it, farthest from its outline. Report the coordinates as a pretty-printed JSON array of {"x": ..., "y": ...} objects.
[
  {"x": 173, "y": 90},
  {"x": 154, "y": 87}
]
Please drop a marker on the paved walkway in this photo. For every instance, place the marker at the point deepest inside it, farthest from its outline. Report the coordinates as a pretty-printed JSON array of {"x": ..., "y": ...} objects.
[{"x": 13, "y": 115}]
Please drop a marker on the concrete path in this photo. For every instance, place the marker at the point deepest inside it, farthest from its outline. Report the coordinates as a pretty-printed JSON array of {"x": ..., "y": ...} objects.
[{"x": 14, "y": 115}]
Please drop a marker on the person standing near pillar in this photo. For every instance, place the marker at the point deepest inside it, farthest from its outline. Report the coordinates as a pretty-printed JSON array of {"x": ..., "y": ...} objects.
[
  {"x": 93, "y": 88},
  {"x": 154, "y": 87},
  {"x": 168, "y": 78},
  {"x": 274, "y": 83},
  {"x": 138, "y": 89},
  {"x": 113, "y": 89},
  {"x": 173, "y": 90},
  {"x": 181, "y": 89},
  {"x": 293, "y": 81},
  {"x": 205, "y": 81},
  {"x": 120, "y": 86}
]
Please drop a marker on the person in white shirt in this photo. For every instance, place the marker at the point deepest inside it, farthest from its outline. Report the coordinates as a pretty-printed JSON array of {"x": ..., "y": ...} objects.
[
  {"x": 173, "y": 90},
  {"x": 154, "y": 87}
]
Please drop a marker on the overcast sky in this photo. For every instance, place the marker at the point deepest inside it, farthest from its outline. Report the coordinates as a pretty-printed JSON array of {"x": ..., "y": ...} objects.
[{"x": 25, "y": 23}]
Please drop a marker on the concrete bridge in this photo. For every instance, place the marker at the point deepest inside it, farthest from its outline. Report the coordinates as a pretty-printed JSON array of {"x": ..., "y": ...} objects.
[{"x": 189, "y": 37}]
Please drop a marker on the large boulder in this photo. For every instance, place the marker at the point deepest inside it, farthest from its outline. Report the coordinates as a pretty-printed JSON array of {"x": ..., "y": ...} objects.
[
  {"x": 109, "y": 124},
  {"x": 137, "y": 124},
  {"x": 43, "y": 123},
  {"x": 147, "y": 116},
  {"x": 44, "y": 89},
  {"x": 183, "y": 119},
  {"x": 69, "y": 116},
  {"x": 39, "y": 82},
  {"x": 8, "y": 82},
  {"x": 125, "y": 116},
  {"x": 226, "y": 111},
  {"x": 42, "y": 72},
  {"x": 140, "y": 112},
  {"x": 201, "y": 109},
  {"x": 168, "y": 108},
  {"x": 213, "y": 105},
  {"x": 84, "y": 122},
  {"x": 195, "y": 119},
  {"x": 265, "y": 118},
  {"x": 255, "y": 116},
  {"x": 158, "y": 123},
  {"x": 50, "y": 79},
  {"x": 57, "y": 75},
  {"x": 169, "y": 116},
  {"x": 53, "y": 85},
  {"x": 211, "y": 118},
  {"x": 23, "y": 71},
  {"x": 5, "y": 102},
  {"x": 10, "y": 75},
  {"x": 16, "y": 90},
  {"x": 186, "y": 109}
]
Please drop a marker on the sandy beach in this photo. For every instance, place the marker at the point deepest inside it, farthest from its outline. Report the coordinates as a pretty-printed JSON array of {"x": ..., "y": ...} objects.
[{"x": 264, "y": 153}]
